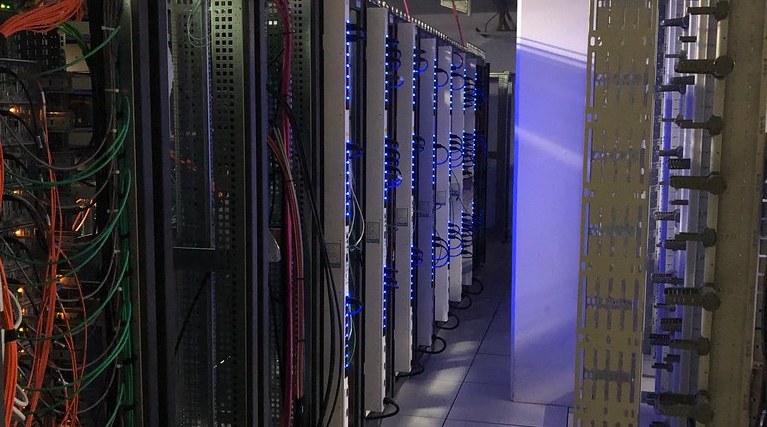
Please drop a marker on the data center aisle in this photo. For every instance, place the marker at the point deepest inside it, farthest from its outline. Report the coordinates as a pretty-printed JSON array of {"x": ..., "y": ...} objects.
[{"x": 468, "y": 384}]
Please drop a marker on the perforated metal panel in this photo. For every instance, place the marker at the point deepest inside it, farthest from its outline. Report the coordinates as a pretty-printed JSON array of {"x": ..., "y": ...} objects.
[
  {"x": 228, "y": 89},
  {"x": 191, "y": 207},
  {"x": 190, "y": 132},
  {"x": 618, "y": 139}
]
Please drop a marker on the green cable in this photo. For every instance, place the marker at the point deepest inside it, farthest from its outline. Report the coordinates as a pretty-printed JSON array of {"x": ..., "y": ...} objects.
[
  {"x": 117, "y": 408},
  {"x": 90, "y": 251},
  {"x": 84, "y": 57},
  {"x": 75, "y": 33},
  {"x": 104, "y": 159},
  {"x": 86, "y": 380},
  {"x": 81, "y": 326}
]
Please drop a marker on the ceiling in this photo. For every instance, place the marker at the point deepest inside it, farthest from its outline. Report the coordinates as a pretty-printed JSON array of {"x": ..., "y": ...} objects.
[{"x": 432, "y": 7}]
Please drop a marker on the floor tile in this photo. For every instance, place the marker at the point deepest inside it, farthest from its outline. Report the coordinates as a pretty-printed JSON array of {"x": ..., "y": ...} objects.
[
  {"x": 498, "y": 343},
  {"x": 490, "y": 369},
  {"x": 481, "y": 308},
  {"x": 447, "y": 366},
  {"x": 489, "y": 403},
  {"x": 410, "y": 421},
  {"x": 501, "y": 323},
  {"x": 457, "y": 423},
  {"x": 427, "y": 397}
]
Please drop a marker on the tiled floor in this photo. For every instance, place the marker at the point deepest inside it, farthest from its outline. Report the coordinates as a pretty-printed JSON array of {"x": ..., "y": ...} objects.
[{"x": 468, "y": 384}]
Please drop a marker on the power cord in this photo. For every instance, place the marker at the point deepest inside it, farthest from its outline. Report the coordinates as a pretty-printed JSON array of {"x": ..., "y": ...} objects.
[
  {"x": 382, "y": 415},
  {"x": 475, "y": 281},
  {"x": 435, "y": 338},
  {"x": 441, "y": 325},
  {"x": 459, "y": 306},
  {"x": 416, "y": 369}
]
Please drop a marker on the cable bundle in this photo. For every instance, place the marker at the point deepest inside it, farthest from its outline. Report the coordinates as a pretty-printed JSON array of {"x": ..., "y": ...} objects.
[
  {"x": 44, "y": 18},
  {"x": 391, "y": 164},
  {"x": 441, "y": 256},
  {"x": 469, "y": 93},
  {"x": 64, "y": 248},
  {"x": 420, "y": 64},
  {"x": 467, "y": 233},
  {"x": 469, "y": 152},
  {"x": 456, "y": 151},
  {"x": 393, "y": 64}
]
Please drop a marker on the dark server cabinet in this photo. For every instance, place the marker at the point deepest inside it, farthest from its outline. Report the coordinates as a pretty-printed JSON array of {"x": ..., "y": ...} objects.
[{"x": 201, "y": 218}]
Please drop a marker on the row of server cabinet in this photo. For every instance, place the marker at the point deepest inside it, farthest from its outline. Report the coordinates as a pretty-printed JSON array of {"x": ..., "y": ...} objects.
[
  {"x": 155, "y": 271},
  {"x": 404, "y": 173}
]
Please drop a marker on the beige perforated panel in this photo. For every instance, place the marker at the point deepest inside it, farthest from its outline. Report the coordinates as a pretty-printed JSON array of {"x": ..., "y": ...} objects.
[{"x": 618, "y": 141}]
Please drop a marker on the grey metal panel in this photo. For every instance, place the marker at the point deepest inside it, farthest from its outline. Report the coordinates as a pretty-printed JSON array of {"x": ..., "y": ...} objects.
[
  {"x": 618, "y": 138},
  {"x": 733, "y": 265},
  {"x": 232, "y": 228},
  {"x": 192, "y": 208}
]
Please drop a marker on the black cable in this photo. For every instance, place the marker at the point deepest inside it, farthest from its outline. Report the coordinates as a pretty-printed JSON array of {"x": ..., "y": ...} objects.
[
  {"x": 435, "y": 338},
  {"x": 441, "y": 325},
  {"x": 188, "y": 316},
  {"x": 416, "y": 369},
  {"x": 36, "y": 217},
  {"x": 25, "y": 89},
  {"x": 454, "y": 54},
  {"x": 458, "y": 306},
  {"x": 436, "y": 79},
  {"x": 473, "y": 282},
  {"x": 382, "y": 415},
  {"x": 331, "y": 287}
]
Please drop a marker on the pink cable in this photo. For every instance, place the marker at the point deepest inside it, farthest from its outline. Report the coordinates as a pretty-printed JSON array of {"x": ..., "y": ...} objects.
[{"x": 458, "y": 22}]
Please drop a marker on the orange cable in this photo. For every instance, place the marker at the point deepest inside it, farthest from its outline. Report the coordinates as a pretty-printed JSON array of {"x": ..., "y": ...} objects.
[{"x": 43, "y": 18}]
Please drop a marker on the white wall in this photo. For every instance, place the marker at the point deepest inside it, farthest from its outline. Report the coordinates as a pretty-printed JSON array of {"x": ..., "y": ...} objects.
[{"x": 550, "y": 105}]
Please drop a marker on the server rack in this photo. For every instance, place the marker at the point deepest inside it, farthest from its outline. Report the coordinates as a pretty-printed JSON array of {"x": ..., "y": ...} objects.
[
  {"x": 426, "y": 180},
  {"x": 404, "y": 269},
  {"x": 455, "y": 204},
  {"x": 215, "y": 275},
  {"x": 379, "y": 177},
  {"x": 442, "y": 192}
]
